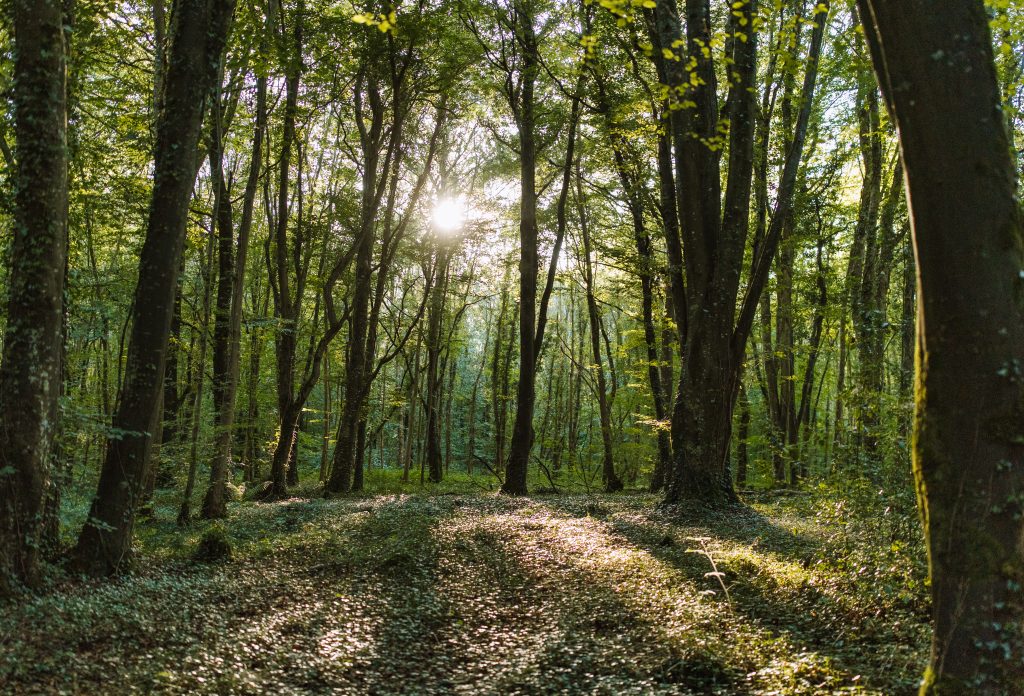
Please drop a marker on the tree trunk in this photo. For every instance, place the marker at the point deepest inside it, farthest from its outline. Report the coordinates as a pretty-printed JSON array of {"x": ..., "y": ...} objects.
[
  {"x": 942, "y": 92},
  {"x": 522, "y": 429},
  {"x": 742, "y": 435},
  {"x": 30, "y": 374},
  {"x": 908, "y": 312},
  {"x": 287, "y": 300},
  {"x": 325, "y": 421},
  {"x": 167, "y": 417},
  {"x": 228, "y": 329},
  {"x": 632, "y": 186},
  {"x": 612, "y": 483},
  {"x": 185, "y": 510},
  {"x": 435, "y": 464},
  {"x": 198, "y": 36}
]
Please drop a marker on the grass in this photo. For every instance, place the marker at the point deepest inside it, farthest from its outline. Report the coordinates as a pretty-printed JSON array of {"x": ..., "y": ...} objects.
[{"x": 462, "y": 591}]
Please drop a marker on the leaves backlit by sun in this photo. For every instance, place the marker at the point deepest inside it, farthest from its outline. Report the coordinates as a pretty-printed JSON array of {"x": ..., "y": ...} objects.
[{"x": 449, "y": 214}]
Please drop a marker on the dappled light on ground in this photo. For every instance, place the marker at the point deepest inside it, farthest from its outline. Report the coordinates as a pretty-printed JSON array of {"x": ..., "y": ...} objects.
[{"x": 475, "y": 594}]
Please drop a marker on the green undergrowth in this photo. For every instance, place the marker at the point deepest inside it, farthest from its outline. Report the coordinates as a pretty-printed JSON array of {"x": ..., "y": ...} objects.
[{"x": 463, "y": 592}]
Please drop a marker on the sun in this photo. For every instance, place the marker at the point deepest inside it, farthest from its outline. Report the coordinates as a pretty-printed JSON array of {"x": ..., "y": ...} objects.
[{"x": 449, "y": 214}]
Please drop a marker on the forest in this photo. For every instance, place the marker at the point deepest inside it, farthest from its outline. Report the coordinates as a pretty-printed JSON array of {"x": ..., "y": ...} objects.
[{"x": 512, "y": 347}]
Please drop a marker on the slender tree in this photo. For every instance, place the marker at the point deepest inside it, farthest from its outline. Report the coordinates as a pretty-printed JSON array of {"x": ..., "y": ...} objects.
[{"x": 230, "y": 298}]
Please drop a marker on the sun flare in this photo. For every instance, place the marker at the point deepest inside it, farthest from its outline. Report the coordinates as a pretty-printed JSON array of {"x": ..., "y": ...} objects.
[{"x": 449, "y": 214}]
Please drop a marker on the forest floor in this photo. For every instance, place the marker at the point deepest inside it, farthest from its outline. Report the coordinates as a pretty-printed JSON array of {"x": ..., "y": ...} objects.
[{"x": 479, "y": 594}]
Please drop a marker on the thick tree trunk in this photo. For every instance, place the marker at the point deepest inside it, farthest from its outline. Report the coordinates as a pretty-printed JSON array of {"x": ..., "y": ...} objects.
[
  {"x": 30, "y": 374},
  {"x": 343, "y": 466},
  {"x": 198, "y": 37},
  {"x": 943, "y": 94},
  {"x": 714, "y": 240},
  {"x": 356, "y": 363},
  {"x": 701, "y": 420}
]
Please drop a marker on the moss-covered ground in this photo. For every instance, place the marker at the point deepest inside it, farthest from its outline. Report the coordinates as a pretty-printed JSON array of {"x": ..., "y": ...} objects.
[{"x": 471, "y": 593}]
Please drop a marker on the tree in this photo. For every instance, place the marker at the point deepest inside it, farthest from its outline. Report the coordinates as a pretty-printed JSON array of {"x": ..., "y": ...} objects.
[
  {"x": 197, "y": 39},
  {"x": 288, "y": 296},
  {"x": 942, "y": 92},
  {"x": 612, "y": 482},
  {"x": 30, "y": 373},
  {"x": 714, "y": 230},
  {"x": 523, "y": 104},
  {"x": 230, "y": 298},
  {"x": 388, "y": 87}
]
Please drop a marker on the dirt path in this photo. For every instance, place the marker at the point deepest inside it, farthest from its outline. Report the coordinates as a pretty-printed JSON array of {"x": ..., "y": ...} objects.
[{"x": 476, "y": 595}]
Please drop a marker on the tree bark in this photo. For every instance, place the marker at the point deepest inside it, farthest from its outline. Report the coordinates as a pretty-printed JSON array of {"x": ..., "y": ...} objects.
[
  {"x": 435, "y": 464},
  {"x": 30, "y": 374},
  {"x": 612, "y": 483},
  {"x": 228, "y": 329},
  {"x": 526, "y": 394},
  {"x": 287, "y": 300},
  {"x": 942, "y": 92},
  {"x": 198, "y": 36}
]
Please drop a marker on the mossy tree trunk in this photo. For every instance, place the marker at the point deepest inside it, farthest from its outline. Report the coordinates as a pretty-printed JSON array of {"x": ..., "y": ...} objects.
[
  {"x": 936, "y": 71},
  {"x": 30, "y": 374}
]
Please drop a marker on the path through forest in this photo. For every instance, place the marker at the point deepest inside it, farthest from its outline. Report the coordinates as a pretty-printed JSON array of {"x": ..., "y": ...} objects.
[{"x": 482, "y": 594}]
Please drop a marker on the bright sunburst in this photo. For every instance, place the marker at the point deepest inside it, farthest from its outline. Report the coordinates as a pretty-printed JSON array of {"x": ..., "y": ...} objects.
[{"x": 449, "y": 214}]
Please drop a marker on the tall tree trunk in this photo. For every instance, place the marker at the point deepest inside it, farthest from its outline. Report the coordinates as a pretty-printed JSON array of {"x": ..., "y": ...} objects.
[
  {"x": 30, "y": 374},
  {"x": 228, "y": 330},
  {"x": 632, "y": 186},
  {"x": 612, "y": 483},
  {"x": 742, "y": 435},
  {"x": 471, "y": 416},
  {"x": 499, "y": 395},
  {"x": 942, "y": 92},
  {"x": 714, "y": 237},
  {"x": 252, "y": 410},
  {"x": 325, "y": 436},
  {"x": 435, "y": 464},
  {"x": 356, "y": 363},
  {"x": 198, "y": 36},
  {"x": 908, "y": 312},
  {"x": 287, "y": 299},
  {"x": 522, "y": 429},
  {"x": 412, "y": 408},
  {"x": 185, "y": 510},
  {"x": 167, "y": 416},
  {"x": 449, "y": 398},
  {"x": 864, "y": 262}
]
